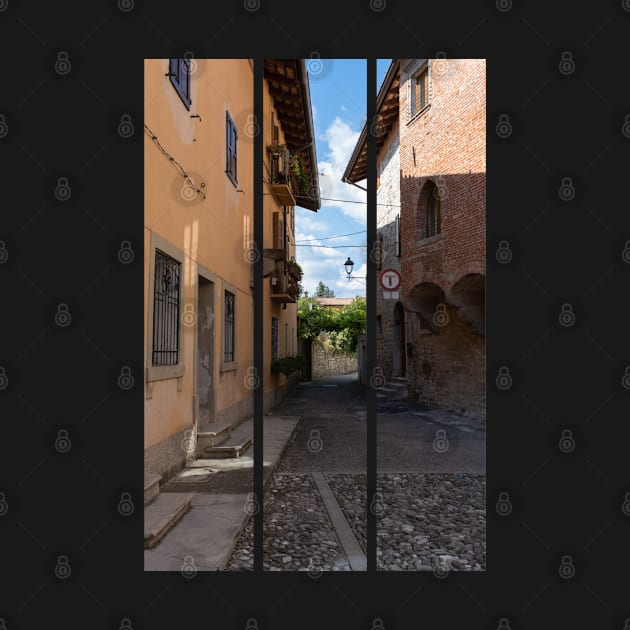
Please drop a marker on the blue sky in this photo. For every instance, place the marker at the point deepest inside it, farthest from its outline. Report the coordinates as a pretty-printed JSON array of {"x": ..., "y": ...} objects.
[{"x": 339, "y": 109}]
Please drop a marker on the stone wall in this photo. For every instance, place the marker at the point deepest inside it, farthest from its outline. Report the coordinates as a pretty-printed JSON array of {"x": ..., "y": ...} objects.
[
  {"x": 325, "y": 363},
  {"x": 388, "y": 211}
]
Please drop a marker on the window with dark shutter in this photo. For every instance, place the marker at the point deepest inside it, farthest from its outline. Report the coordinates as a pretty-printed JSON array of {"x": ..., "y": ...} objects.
[
  {"x": 231, "y": 138},
  {"x": 179, "y": 74}
]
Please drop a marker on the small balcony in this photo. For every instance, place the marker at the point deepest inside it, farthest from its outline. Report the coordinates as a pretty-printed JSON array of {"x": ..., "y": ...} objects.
[
  {"x": 282, "y": 191},
  {"x": 283, "y": 289}
]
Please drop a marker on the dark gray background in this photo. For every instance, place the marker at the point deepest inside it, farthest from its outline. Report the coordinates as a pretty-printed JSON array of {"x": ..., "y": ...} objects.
[{"x": 564, "y": 252}]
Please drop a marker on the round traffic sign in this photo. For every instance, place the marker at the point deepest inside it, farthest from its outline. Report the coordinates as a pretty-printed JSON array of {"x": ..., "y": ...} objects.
[{"x": 390, "y": 279}]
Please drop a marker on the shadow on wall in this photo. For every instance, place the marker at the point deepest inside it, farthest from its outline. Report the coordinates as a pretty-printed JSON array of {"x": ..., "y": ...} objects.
[{"x": 443, "y": 270}]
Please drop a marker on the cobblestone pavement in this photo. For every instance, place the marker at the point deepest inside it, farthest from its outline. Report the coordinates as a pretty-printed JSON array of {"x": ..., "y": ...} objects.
[
  {"x": 433, "y": 503},
  {"x": 431, "y": 522},
  {"x": 297, "y": 533}
]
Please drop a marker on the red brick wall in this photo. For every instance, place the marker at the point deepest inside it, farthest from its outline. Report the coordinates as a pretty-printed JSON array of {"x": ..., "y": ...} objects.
[{"x": 448, "y": 141}]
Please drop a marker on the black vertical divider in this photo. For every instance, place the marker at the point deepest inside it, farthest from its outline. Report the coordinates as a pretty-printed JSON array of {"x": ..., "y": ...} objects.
[
  {"x": 370, "y": 292},
  {"x": 258, "y": 316}
]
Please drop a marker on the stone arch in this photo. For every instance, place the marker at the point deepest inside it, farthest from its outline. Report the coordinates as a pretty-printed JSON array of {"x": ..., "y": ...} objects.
[
  {"x": 423, "y": 299},
  {"x": 469, "y": 295}
]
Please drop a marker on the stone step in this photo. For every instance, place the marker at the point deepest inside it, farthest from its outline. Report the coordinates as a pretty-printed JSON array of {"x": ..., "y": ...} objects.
[
  {"x": 400, "y": 379},
  {"x": 238, "y": 442},
  {"x": 213, "y": 434},
  {"x": 163, "y": 514},
  {"x": 151, "y": 487}
]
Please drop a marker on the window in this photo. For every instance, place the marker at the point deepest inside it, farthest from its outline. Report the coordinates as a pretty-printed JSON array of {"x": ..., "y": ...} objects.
[
  {"x": 230, "y": 144},
  {"x": 165, "y": 310},
  {"x": 179, "y": 74},
  {"x": 275, "y": 352},
  {"x": 228, "y": 327},
  {"x": 419, "y": 92},
  {"x": 397, "y": 235},
  {"x": 433, "y": 214},
  {"x": 429, "y": 210}
]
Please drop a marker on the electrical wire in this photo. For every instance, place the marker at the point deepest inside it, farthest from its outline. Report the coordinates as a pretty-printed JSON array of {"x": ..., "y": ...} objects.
[{"x": 174, "y": 161}]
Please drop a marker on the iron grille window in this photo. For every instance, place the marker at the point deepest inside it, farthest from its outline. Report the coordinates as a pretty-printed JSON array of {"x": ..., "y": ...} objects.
[
  {"x": 228, "y": 319},
  {"x": 230, "y": 143},
  {"x": 166, "y": 290},
  {"x": 275, "y": 352},
  {"x": 179, "y": 74}
]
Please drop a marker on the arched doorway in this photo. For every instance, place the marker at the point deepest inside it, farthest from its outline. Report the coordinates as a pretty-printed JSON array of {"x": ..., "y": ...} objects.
[{"x": 399, "y": 364}]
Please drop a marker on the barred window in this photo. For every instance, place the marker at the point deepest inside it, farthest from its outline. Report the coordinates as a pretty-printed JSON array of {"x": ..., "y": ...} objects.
[
  {"x": 228, "y": 326},
  {"x": 166, "y": 298},
  {"x": 275, "y": 351},
  {"x": 179, "y": 74}
]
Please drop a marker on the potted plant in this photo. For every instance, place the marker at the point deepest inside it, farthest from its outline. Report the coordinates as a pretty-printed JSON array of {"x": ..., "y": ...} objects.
[
  {"x": 298, "y": 171},
  {"x": 276, "y": 149},
  {"x": 288, "y": 365},
  {"x": 294, "y": 269}
]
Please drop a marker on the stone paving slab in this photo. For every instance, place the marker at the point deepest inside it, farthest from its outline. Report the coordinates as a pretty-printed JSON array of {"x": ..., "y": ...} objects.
[
  {"x": 207, "y": 534},
  {"x": 210, "y": 530}
]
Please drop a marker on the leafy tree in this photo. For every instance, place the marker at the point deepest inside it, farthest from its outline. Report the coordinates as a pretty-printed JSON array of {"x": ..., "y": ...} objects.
[
  {"x": 341, "y": 327},
  {"x": 323, "y": 290}
]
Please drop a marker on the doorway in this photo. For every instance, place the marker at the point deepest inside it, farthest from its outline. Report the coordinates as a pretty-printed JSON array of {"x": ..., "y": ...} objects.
[
  {"x": 399, "y": 345},
  {"x": 205, "y": 352}
]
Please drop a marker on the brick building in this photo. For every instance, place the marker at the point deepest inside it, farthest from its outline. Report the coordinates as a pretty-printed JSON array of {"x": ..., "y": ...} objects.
[
  {"x": 436, "y": 331},
  {"x": 443, "y": 229}
]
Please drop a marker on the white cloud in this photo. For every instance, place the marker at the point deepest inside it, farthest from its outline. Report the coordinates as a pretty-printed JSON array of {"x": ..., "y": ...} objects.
[{"x": 341, "y": 140}]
